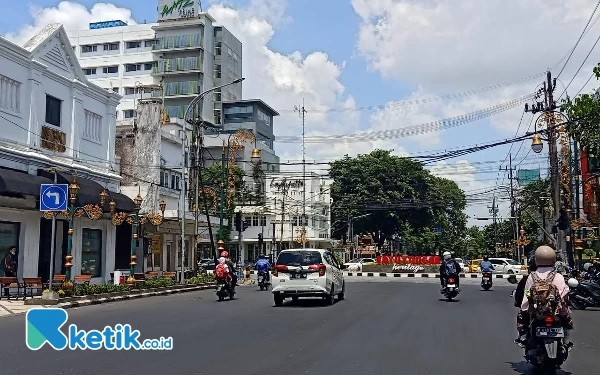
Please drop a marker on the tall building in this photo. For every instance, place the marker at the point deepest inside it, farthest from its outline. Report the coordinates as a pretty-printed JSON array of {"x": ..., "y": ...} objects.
[{"x": 175, "y": 59}]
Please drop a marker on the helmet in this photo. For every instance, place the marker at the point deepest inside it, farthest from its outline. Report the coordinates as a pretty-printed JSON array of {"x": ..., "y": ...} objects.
[
  {"x": 545, "y": 256},
  {"x": 225, "y": 254},
  {"x": 573, "y": 283},
  {"x": 486, "y": 258},
  {"x": 262, "y": 256},
  {"x": 447, "y": 255},
  {"x": 587, "y": 266}
]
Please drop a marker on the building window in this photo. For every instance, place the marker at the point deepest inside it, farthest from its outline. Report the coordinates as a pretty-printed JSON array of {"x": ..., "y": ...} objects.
[
  {"x": 53, "y": 108},
  {"x": 110, "y": 69},
  {"x": 89, "y": 71},
  {"x": 111, "y": 47},
  {"x": 129, "y": 90},
  {"x": 88, "y": 49},
  {"x": 263, "y": 221},
  {"x": 149, "y": 43},
  {"x": 163, "y": 178},
  {"x": 264, "y": 117},
  {"x": 10, "y": 94},
  {"x": 148, "y": 66},
  {"x": 132, "y": 45},
  {"x": 254, "y": 221},
  {"x": 91, "y": 252},
  {"x": 9, "y": 236},
  {"x": 129, "y": 113},
  {"x": 93, "y": 126},
  {"x": 132, "y": 67}
]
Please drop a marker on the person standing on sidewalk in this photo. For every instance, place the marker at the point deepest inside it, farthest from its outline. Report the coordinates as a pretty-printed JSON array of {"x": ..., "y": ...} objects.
[{"x": 9, "y": 264}]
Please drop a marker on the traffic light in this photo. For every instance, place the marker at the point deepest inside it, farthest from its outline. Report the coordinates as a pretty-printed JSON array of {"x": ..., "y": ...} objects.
[
  {"x": 260, "y": 239},
  {"x": 238, "y": 222}
]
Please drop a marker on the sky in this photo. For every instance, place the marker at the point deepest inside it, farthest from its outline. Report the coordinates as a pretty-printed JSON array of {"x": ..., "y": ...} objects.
[{"x": 365, "y": 69}]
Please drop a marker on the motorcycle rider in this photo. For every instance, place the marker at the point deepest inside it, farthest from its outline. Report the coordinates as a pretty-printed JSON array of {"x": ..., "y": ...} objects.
[
  {"x": 545, "y": 259},
  {"x": 449, "y": 268},
  {"x": 263, "y": 265},
  {"x": 231, "y": 268},
  {"x": 560, "y": 266}
]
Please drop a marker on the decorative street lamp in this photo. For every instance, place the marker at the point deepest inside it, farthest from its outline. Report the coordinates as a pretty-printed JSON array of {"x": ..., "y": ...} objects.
[
  {"x": 522, "y": 241},
  {"x": 135, "y": 219},
  {"x": 92, "y": 211}
]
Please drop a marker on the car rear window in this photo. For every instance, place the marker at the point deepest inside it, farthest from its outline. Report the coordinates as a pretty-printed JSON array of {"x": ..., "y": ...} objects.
[{"x": 299, "y": 258}]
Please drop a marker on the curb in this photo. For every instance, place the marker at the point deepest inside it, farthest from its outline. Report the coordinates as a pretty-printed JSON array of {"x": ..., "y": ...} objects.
[
  {"x": 88, "y": 302},
  {"x": 422, "y": 275}
]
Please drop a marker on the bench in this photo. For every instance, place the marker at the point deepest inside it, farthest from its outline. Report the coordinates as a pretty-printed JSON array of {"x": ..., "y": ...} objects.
[
  {"x": 58, "y": 281},
  {"x": 31, "y": 284},
  {"x": 170, "y": 275},
  {"x": 9, "y": 282},
  {"x": 82, "y": 280},
  {"x": 151, "y": 274}
]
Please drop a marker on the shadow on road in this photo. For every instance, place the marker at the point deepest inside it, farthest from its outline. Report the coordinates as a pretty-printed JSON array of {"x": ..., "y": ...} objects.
[
  {"x": 446, "y": 300},
  {"x": 524, "y": 368},
  {"x": 307, "y": 303}
]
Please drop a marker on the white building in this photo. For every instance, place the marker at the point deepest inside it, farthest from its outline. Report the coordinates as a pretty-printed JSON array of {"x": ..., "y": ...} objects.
[
  {"x": 52, "y": 117},
  {"x": 280, "y": 220},
  {"x": 174, "y": 58}
]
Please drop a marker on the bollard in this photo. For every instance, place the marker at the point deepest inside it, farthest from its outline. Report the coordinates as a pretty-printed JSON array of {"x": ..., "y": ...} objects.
[{"x": 247, "y": 273}]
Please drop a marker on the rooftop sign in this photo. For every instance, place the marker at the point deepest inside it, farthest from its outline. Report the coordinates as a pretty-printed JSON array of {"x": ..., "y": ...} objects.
[
  {"x": 177, "y": 9},
  {"x": 106, "y": 24}
]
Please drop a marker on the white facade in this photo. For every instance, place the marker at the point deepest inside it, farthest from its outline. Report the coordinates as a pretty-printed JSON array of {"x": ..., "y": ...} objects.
[
  {"x": 184, "y": 57},
  {"x": 52, "y": 117}
]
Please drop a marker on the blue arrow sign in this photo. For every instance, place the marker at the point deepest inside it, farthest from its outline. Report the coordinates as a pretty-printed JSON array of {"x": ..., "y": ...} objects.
[
  {"x": 438, "y": 230},
  {"x": 53, "y": 197}
]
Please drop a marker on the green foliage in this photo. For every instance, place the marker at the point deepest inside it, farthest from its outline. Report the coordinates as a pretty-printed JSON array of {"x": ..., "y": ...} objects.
[
  {"x": 584, "y": 113},
  {"x": 401, "y": 197},
  {"x": 201, "y": 279},
  {"x": 85, "y": 290},
  {"x": 157, "y": 282}
]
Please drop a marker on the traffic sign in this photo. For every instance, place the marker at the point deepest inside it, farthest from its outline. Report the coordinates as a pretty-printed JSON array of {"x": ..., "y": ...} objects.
[
  {"x": 438, "y": 230},
  {"x": 53, "y": 197}
]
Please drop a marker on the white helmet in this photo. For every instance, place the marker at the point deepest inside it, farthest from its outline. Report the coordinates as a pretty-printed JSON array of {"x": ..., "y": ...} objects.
[
  {"x": 587, "y": 266},
  {"x": 573, "y": 283},
  {"x": 447, "y": 255}
]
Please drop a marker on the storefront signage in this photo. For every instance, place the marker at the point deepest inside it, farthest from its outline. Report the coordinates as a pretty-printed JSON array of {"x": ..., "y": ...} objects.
[
  {"x": 106, "y": 24},
  {"x": 156, "y": 244},
  {"x": 286, "y": 184},
  {"x": 177, "y": 9},
  {"x": 407, "y": 268}
]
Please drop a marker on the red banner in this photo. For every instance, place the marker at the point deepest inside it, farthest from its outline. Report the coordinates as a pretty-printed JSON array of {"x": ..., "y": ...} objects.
[{"x": 404, "y": 259}]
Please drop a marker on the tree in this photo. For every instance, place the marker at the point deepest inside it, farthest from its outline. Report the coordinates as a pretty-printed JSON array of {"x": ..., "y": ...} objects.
[
  {"x": 584, "y": 113},
  {"x": 213, "y": 179},
  {"x": 393, "y": 195},
  {"x": 474, "y": 243}
]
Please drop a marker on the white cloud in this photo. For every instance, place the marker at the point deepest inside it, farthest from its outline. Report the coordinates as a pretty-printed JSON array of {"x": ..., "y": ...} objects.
[{"x": 72, "y": 15}]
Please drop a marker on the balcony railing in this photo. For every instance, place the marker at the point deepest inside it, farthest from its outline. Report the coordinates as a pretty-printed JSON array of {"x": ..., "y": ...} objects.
[
  {"x": 178, "y": 41},
  {"x": 182, "y": 88},
  {"x": 180, "y": 64},
  {"x": 175, "y": 111}
]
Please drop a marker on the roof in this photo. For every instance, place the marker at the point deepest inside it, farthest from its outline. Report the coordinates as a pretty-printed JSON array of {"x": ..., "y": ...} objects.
[{"x": 254, "y": 101}]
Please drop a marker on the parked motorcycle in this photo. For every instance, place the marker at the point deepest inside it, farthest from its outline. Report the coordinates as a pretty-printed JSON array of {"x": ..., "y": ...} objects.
[
  {"x": 450, "y": 291},
  {"x": 261, "y": 279},
  {"x": 545, "y": 348},
  {"x": 583, "y": 294},
  {"x": 224, "y": 290},
  {"x": 486, "y": 280}
]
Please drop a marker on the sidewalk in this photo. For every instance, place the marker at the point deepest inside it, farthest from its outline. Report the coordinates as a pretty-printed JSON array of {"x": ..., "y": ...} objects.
[{"x": 15, "y": 307}]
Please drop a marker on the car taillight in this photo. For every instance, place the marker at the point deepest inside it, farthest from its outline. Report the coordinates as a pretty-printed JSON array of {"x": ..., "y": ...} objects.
[
  {"x": 278, "y": 268},
  {"x": 548, "y": 320},
  {"x": 320, "y": 267},
  {"x": 451, "y": 280}
]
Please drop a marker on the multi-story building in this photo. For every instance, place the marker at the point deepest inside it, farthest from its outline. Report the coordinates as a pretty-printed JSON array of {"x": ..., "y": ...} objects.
[
  {"x": 175, "y": 59},
  {"x": 280, "y": 221},
  {"x": 56, "y": 125}
]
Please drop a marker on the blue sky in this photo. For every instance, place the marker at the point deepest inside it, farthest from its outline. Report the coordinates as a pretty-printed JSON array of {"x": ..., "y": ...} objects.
[{"x": 388, "y": 50}]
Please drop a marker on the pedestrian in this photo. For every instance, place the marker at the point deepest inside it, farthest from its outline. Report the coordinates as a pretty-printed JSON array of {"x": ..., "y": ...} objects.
[{"x": 9, "y": 264}]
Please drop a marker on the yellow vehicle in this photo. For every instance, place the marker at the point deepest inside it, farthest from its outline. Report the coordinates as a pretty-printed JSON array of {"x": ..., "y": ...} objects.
[{"x": 474, "y": 265}]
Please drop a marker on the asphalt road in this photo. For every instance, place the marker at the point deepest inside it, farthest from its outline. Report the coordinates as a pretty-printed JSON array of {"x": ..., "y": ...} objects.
[{"x": 381, "y": 328}]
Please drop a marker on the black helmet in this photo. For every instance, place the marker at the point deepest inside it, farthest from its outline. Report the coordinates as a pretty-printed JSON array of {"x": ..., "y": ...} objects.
[
  {"x": 486, "y": 258},
  {"x": 262, "y": 256},
  {"x": 531, "y": 264}
]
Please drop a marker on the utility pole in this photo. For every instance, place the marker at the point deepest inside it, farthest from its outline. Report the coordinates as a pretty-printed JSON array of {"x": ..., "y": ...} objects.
[
  {"x": 494, "y": 211},
  {"x": 510, "y": 169},
  {"x": 302, "y": 112},
  {"x": 547, "y": 107},
  {"x": 183, "y": 200}
]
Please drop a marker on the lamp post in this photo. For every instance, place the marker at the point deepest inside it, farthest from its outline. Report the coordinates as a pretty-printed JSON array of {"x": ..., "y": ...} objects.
[
  {"x": 91, "y": 211},
  {"x": 521, "y": 242},
  {"x": 135, "y": 219},
  {"x": 229, "y": 154}
]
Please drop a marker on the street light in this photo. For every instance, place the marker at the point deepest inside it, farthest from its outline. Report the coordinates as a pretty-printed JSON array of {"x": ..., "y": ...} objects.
[
  {"x": 536, "y": 144},
  {"x": 135, "y": 219},
  {"x": 92, "y": 211}
]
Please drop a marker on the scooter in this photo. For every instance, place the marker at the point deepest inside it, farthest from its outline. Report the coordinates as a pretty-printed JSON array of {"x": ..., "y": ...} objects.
[
  {"x": 450, "y": 291},
  {"x": 583, "y": 294},
  {"x": 261, "y": 279},
  {"x": 486, "y": 280},
  {"x": 548, "y": 351},
  {"x": 224, "y": 289}
]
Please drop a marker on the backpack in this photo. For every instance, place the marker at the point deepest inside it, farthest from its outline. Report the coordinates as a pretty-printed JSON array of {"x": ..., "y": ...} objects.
[
  {"x": 220, "y": 271},
  {"x": 541, "y": 294},
  {"x": 450, "y": 266}
]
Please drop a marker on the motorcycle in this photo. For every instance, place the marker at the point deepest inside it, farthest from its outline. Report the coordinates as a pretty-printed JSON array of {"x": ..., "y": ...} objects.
[
  {"x": 583, "y": 294},
  {"x": 546, "y": 349},
  {"x": 261, "y": 279},
  {"x": 450, "y": 291},
  {"x": 224, "y": 290},
  {"x": 486, "y": 280}
]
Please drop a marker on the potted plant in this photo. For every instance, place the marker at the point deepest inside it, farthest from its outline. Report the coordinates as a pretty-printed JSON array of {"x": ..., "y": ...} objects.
[{"x": 50, "y": 295}]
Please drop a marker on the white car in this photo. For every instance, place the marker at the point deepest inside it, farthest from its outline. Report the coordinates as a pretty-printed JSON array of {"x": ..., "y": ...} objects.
[
  {"x": 358, "y": 263},
  {"x": 307, "y": 273},
  {"x": 508, "y": 266},
  {"x": 462, "y": 264}
]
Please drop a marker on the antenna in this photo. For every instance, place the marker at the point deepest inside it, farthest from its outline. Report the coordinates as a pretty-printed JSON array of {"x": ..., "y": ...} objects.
[{"x": 302, "y": 112}]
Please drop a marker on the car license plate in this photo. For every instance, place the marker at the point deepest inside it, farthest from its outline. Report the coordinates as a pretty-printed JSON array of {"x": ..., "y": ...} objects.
[
  {"x": 297, "y": 276},
  {"x": 549, "y": 332},
  {"x": 451, "y": 286}
]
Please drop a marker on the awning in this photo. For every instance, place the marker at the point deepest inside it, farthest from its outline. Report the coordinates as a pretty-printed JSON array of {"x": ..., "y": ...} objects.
[
  {"x": 20, "y": 183},
  {"x": 89, "y": 192}
]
